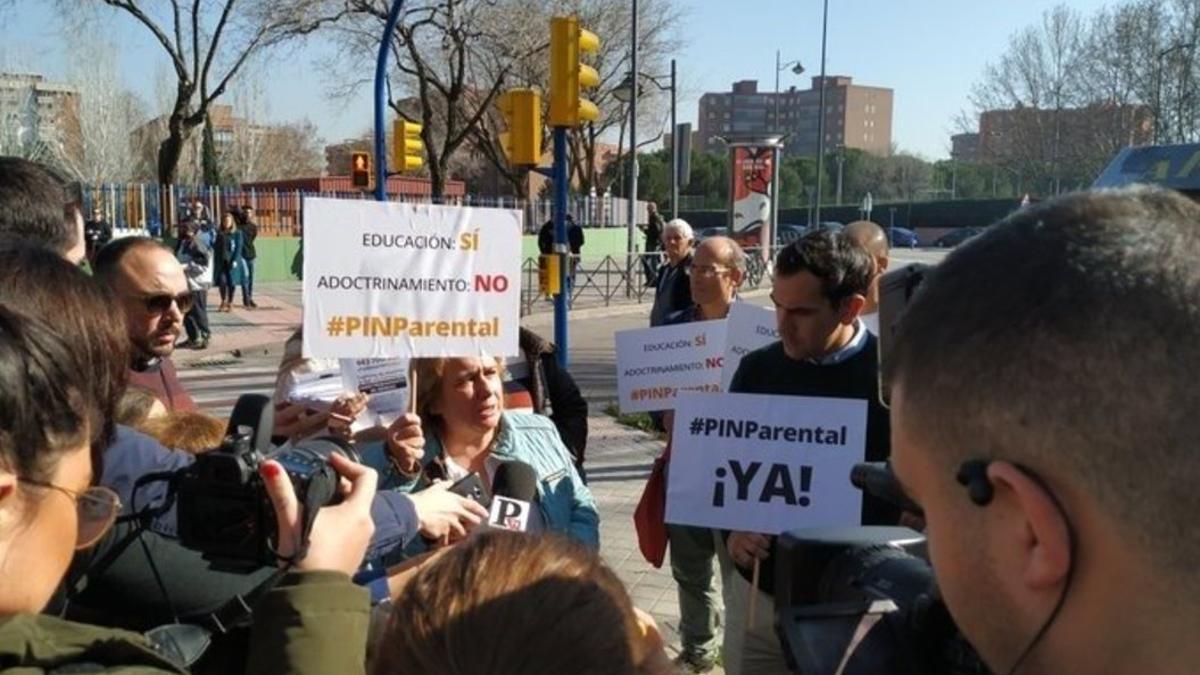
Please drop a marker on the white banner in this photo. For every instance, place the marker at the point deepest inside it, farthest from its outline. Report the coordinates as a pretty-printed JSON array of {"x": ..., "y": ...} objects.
[
  {"x": 655, "y": 364},
  {"x": 388, "y": 279},
  {"x": 756, "y": 463},
  {"x": 750, "y": 327}
]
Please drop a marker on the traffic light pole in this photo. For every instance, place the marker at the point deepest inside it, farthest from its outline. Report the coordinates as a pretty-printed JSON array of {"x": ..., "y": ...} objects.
[
  {"x": 385, "y": 48},
  {"x": 561, "y": 246}
]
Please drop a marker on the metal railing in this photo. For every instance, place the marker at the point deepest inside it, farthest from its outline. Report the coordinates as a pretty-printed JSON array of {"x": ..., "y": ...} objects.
[
  {"x": 610, "y": 280},
  {"x": 156, "y": 209}
]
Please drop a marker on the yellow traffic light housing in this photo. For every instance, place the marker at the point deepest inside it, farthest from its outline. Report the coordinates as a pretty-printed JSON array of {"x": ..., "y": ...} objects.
[
  {"x": 407, "y": 150},
  {"x": 360, "y": 169},
  {"x": 522, "y": 110},
  {"x": 568, "y": 76}
]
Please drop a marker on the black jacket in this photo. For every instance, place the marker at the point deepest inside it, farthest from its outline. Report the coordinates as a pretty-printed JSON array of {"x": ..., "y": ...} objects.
[
  {"x": 672, "y": 291},
  {"x": 555, "y": 394},
  {"x": 249, "y": 230}
]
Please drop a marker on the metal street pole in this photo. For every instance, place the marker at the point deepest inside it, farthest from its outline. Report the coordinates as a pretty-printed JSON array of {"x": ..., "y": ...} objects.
[
  {"x": 631, "y": 233},
  {"x": 561, "y": 247},
  {"x": 821, "y": 114},
  {"x": 674, "y": 150},
  {"x": 841, "y": 159},
  {"x": 385, "y": 48},
  {"x": 777, "y": 68}
]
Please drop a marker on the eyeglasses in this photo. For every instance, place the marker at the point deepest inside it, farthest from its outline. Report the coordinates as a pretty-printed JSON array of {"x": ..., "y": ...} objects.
[
  {"x": 706, "y": 270},
  {"x": 161, "y": 303},
  {"x": 98, "y": 507}
]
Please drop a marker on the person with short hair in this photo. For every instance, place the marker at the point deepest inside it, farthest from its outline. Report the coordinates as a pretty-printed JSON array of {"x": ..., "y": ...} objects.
[
  {"x": 820, "y": 286},
  {"x": 153, "y": 293},
  {"x": 874, "y": 241},
  {"x": 515, "y": 603},
  {"x": 653, "y": 229},
  {"x": 716, "y": 272},
  {"x": 1043, "y": 384},
  {"x": 37, "y": 207},
  {"x": 96, "y": 232},
  {"x": 192, "y": 432},
  {"x": 249, "y": 229},
  {"x": 672, "y": 292}
]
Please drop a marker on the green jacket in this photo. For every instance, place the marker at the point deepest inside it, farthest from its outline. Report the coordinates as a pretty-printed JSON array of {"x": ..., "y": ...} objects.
[{"x": 312, "y": 622}]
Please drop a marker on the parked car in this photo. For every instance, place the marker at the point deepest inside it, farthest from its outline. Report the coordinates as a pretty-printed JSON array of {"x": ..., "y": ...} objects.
[
  {"x": 956, "y": 237},
  {"x": 752, "y": 237},
  {"x": 710, "y": 232},
  {"x": 904, "y": 237}
]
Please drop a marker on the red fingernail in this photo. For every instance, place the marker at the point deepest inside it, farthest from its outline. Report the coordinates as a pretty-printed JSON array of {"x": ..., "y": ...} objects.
[{"x": 270, "y": 470}]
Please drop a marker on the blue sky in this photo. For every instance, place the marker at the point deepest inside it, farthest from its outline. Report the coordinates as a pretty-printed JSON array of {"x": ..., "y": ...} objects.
[{"x": 929, "y": 51}]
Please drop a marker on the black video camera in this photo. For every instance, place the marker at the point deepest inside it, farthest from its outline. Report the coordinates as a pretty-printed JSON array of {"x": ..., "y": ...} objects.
[
  {"x": 862, "y": 601},
  {"x": 223, "y": 508}
]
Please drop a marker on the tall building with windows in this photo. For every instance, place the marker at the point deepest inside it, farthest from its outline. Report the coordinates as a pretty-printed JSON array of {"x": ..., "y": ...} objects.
[
  {"x": 856, "y": 116},
  {"x": 38, "y": 118}
]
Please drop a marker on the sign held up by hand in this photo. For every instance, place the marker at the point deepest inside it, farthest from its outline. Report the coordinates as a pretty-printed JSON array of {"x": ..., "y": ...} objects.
[{"x": 757, "y": 463}]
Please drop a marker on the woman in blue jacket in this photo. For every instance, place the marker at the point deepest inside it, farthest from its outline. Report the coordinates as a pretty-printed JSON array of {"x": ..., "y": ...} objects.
[
  {"x": 462, "y": 429},
  {"x": 227, "y": 260}
]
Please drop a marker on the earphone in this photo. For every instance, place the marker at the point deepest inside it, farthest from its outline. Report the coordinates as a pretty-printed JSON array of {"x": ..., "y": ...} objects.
[{"x": 972, "y": 474}]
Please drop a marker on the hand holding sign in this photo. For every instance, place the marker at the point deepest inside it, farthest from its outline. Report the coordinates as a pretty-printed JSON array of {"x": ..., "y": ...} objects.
[{"x": 406, "y": 443}]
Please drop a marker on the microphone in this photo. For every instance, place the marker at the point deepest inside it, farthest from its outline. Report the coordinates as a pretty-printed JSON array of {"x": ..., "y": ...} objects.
[
  {"x": 514, "y": 489},
  {"x": 877, "y": 480}
]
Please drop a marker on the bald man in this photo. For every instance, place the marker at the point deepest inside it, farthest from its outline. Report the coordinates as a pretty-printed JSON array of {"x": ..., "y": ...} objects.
[{"x": 872, "y": 238}]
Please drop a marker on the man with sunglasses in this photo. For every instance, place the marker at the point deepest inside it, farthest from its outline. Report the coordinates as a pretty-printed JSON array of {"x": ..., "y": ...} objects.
[
  {"x": 1045, "y": 399},
  {"x": 819, "y": 289},
  {"x": 153, "y": 291}
]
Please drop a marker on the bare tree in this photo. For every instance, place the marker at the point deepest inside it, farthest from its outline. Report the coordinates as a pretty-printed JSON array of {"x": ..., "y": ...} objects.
[
  {"x": 207, "y": 44},
  {"x": 108, "y": 113}
]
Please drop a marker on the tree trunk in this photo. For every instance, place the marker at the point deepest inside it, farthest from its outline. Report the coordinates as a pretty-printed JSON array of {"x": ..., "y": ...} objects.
[
  {"x": 212, "y": 170},
  {"x": 169, "y": 152},
  {"x": 437, "y": 181}
]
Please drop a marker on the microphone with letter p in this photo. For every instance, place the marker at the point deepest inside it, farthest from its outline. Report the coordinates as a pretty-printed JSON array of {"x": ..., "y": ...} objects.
[{"x": 514, "y": 489}]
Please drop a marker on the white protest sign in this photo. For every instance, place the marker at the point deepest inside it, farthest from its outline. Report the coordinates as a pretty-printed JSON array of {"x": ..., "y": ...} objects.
[
  {"x": 756, "y": 463},
  {"x": 750, "y": 327},
  {"x": 654, "y": 364},
  {"x": 507, "y": 513},
  {"x": 385, "y": 381},
  {"x": 388, "y": 279}
]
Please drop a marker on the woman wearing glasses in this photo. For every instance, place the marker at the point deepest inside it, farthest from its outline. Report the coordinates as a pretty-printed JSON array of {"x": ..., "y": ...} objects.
[{"x": 53, "y": 427}]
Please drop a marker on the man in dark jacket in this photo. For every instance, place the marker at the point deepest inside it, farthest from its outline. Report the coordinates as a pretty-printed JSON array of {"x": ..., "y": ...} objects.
[
  {"x": 820, "y": 286},
  {"x": 96, "y": 232},
  {"x": 672, "y": 292},
  {"x": 249, "y": 229},
  {"x": 653, "y": 230}
]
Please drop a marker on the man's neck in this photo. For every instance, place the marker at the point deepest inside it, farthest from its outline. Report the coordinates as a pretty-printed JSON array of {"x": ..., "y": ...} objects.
[{"x": 714, "y": 310}]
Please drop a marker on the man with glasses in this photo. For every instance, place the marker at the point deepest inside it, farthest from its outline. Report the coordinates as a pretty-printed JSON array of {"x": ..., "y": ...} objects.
[
  {"x": 153, "y": 291},
  {"x": 716, "y": 271},
  {"x": 820, "y": 285}
]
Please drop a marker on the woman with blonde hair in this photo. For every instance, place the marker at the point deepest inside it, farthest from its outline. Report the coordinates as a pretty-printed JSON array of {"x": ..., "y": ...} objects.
[{"x": 461, "y": 428}]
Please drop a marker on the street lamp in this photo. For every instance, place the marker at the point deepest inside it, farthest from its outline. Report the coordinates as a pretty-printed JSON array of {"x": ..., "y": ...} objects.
[
  {"x": 624, "y": 91},
  {"x": 796, "y": 69},
  {"x": 821, "y": 113},
  {"x": 1158, "y": 85}
]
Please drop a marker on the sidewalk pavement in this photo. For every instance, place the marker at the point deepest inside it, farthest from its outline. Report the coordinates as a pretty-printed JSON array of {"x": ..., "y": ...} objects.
[{"x": 278, "y": 315}]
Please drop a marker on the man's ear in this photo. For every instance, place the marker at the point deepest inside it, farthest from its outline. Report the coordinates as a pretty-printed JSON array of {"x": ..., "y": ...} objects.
[
  {"x": 851, "y": 308},
  {"x": 1035, "y": 523},
  {"x": 8, "y": 495},
  {"x": 881, "y": 264}
]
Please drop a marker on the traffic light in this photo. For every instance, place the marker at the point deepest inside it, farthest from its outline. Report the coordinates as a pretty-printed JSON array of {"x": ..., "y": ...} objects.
[
  {"x": 568, "y": 76},
  {"x": 522, "y": 110},
  {"x": 408, "y": 150},
  {"x": 360, "y": 169}
]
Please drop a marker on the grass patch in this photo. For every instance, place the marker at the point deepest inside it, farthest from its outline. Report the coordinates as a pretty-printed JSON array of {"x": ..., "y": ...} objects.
[{"x": 640, "y": 421}]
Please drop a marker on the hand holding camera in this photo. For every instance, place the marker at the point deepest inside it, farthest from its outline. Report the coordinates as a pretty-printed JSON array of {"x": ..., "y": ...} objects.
[{"x": 340, "y": 533}]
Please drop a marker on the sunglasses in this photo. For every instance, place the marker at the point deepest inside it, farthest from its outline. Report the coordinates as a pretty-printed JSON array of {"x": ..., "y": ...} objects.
[
  {"x": 97, "y": 509},
  {"x": 161, "y": 303}
]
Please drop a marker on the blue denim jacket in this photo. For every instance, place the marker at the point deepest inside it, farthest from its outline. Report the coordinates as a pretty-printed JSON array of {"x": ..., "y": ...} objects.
[{"x": 565, "y": 503}]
